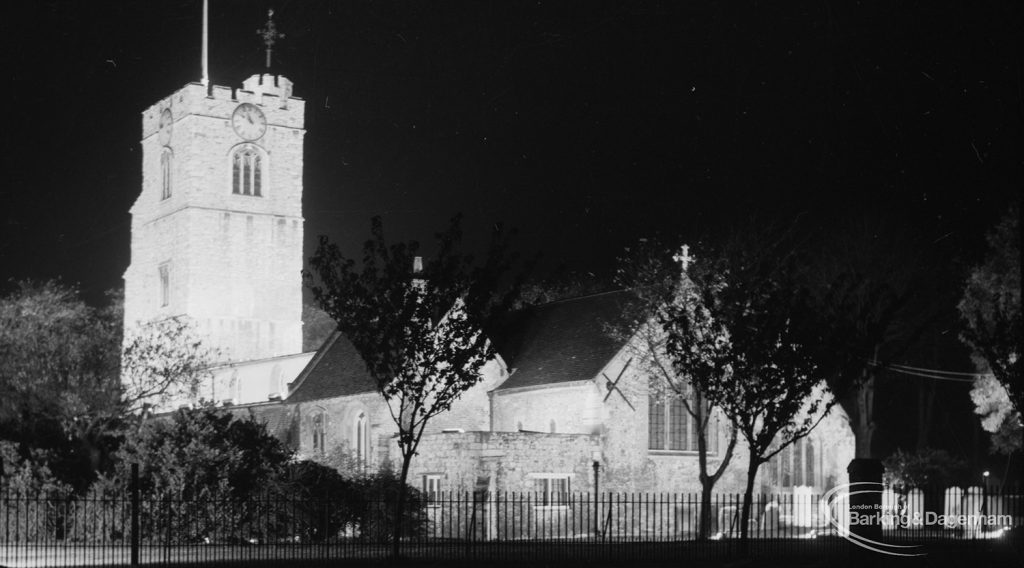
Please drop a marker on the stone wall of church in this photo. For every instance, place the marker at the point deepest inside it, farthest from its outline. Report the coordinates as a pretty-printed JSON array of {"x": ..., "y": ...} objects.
[
  {"x": 340, "y": 415},
  {"x": 632, "y": 466},
  {"x": 235, "y": 260},
  {"x": 512, "y": 461},
  {"x": 570, "y": 408},
  {"x": 471, "y": 411}
]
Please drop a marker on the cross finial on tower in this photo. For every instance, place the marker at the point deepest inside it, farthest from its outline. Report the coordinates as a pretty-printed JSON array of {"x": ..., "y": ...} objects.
[
  {"x": 683, "y": 257},
  {"x": 269, "y": 34}
]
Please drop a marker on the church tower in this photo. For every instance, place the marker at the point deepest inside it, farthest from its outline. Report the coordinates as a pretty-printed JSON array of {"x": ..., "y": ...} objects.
[{"x": 217, "y": 227}]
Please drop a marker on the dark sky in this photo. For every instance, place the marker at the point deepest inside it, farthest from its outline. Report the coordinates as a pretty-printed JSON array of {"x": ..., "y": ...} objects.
[{"x": 584, "y": 124}]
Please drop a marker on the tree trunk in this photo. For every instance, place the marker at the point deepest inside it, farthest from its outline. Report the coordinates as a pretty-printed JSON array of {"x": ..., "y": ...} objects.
[
  {"x": 925, "y": 405},
  {"x": 864, "y": 426},
  {"x": 400, "y": 507},
  {"x": 707, "y": 482},
  {"x": 705, "y": 508},
  {"x": 748, "y": 501}
]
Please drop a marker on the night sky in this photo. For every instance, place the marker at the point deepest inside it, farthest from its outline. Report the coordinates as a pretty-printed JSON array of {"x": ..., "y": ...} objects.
[{"x": 583, "y": 124}]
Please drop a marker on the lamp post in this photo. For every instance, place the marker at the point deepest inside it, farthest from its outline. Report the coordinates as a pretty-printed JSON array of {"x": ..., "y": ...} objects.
[
  {"x": 984, "y": 494},
  {"x": 596, "y": 457}
]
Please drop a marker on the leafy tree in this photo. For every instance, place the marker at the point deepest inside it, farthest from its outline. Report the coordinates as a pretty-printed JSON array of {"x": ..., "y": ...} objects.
[
  {"x": 29, "y": 476},
  {"x": 990, "y": 308},
  {"x": 72, "y": 382},
  {"x": 422, "y": 335},
  {"x": 204, "y": 472},
  {"x": 162, "y": 362},
  {"x": 998, "y": 417},
  {"x": 202, "y": 452},
  {"x": 654, "y": 280},
  {"x": 560, "y": 285},
  {"x": 743, "y": 314},
  {"x": 923, "y": 469},
  {"x": 59, "y": 376}
]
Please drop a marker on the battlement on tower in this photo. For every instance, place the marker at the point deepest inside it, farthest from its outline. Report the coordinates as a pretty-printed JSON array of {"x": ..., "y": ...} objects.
[{"x": 273, "y": 93}]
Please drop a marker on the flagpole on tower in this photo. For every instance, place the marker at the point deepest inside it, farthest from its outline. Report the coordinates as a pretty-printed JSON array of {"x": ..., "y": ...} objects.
[{"x": 206, "y": 39}]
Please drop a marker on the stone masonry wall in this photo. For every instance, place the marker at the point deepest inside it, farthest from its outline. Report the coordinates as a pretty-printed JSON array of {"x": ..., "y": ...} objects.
[
  {"x": 510, "y": 459},
  {"x": 235, "y": 260},
  {"x": 571, "y": 408},
  {"x": 339, "y": 428}
]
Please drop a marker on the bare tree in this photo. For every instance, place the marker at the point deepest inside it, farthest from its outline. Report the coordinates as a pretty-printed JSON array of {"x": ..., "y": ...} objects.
[
  {"x": 421, "y": 333},
  {"x": 873, "y": 299},
  {"x": 649, "y": 273},
  {"x": 162, "y": 361},
  {"x": 744, "y": 315}
]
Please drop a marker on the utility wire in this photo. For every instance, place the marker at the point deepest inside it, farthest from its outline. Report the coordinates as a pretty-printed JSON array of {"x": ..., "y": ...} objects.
[
  {"x": 936, "y": 371},
  {"x": 936, "y": 374},
  {"x": 930, "y": 376}
]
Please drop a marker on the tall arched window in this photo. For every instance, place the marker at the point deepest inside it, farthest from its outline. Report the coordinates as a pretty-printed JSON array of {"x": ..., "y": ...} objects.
[
  {"x": 361, "y": 439},
  {"x": 247, "y": 172},
  {"x": 319, "y": 433},
  {"x": 165, "y": 173}
]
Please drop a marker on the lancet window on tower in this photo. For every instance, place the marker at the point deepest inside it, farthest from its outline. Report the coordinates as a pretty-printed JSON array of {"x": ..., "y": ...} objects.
[
  {"x": 247, "y": 172},
  {"x": 165, "y": 173},
  {"x": 164, "y": 270}
]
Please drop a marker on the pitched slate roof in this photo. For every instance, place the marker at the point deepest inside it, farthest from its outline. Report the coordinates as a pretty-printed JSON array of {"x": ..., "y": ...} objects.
[
  {"x": 562, "y": 341},
  {"x": 335, "y": 370},
  {"x": 278, "y": 417}
]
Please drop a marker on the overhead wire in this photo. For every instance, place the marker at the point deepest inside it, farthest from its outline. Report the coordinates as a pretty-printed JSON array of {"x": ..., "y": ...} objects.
[{"x": 936, "y": 374}]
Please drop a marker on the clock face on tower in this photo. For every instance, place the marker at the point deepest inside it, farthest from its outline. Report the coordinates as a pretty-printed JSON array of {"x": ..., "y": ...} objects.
[
  {"x": 249, "y": 121},
  {"x": 166, "y": 124}
]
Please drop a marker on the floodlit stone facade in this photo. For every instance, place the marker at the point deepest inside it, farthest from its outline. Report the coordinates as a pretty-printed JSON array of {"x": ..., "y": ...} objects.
[
  {"x": 543, "y": 414},
  {"x": 201, "y": 248},
  {"x": 217, "y": 236}
]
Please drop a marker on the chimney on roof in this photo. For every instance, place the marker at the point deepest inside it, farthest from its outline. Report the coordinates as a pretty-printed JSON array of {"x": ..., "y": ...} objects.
[{"x": 417, "y": 264}]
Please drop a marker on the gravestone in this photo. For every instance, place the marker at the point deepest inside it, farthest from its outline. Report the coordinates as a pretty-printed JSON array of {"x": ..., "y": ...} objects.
[
  {"x": 770, "y": 519},
  {"x": 866, "y": 498},
  {"x": 953, "y": 505},
  {"x": 890, "y": 508},
  {"x": 803, "y": 506},
  {"x": 729, "y": 520},
  {"x": 973, "y": 508},
  {"x": 915, "y": 509}
]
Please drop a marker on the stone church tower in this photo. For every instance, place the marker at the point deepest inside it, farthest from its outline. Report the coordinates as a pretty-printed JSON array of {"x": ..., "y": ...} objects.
[{"x": 217, "y": 228}]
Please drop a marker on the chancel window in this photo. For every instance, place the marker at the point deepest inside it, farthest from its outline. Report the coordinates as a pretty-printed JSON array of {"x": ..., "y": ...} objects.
[
  {"x": 247, "y": 172},
  {"x": 799, "y": 463},
  {"x": 672, "y": 427},
  {"x": 319, "y": 433},
  {"x": 361, "y": 439},
  {"x": 165, "y": 173}
]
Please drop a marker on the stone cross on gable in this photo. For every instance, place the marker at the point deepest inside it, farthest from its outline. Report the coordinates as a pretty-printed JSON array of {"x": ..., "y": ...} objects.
[
  {"x": 270, "y": 34},
  {"x": 683, "y": 257}
]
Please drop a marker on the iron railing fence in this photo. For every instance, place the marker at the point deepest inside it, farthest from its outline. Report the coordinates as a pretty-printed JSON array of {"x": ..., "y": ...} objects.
[{"x": 140, "y": 529}]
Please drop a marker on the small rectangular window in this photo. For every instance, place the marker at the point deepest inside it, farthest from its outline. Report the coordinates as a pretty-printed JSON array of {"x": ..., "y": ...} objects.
[
  {"x": 431, "y": 486},
  {"x": 165, "y": 285},
  {"x": 552, "y": 489}
]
